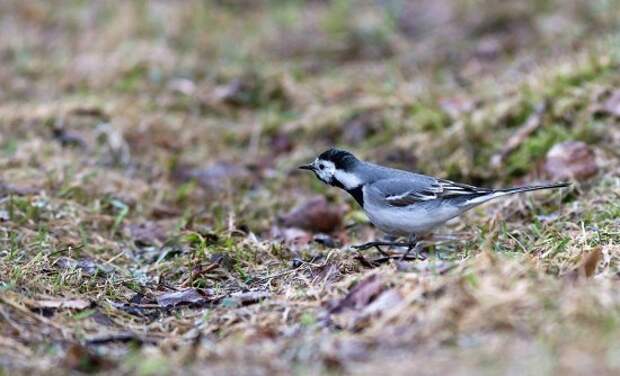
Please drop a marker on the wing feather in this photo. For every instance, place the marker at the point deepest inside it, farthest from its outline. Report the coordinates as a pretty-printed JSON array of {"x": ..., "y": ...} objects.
[{"x": 404, "y": 191}]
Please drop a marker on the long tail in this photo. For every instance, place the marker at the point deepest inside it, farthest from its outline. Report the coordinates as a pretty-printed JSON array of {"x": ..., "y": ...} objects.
[{"x": 510, "y": 191}]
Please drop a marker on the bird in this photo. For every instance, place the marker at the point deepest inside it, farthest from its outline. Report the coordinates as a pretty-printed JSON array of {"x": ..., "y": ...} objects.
[{"x": 403, "y": 203}]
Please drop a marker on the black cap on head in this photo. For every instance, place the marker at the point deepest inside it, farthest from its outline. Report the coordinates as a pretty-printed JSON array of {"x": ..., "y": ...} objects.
[{"x": 342, "y": 159}]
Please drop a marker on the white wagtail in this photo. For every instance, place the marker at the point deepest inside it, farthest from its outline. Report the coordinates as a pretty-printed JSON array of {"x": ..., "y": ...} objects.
[{"x": 403, "y": 203}]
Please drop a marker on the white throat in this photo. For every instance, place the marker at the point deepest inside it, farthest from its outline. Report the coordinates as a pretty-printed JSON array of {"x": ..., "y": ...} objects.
[{"x": 348, "y": 180}]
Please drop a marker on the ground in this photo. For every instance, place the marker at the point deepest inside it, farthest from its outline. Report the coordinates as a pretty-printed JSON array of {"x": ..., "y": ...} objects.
[{"x": 148, "y": 186}]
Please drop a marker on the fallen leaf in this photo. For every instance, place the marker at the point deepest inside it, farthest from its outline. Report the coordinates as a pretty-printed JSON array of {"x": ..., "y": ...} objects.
[
  {"x": 315, "y": 215},
  {"x": 179, "y": 298},
  {"x": 386, "y": 300},
  {"x": 360, "y": 295},
  {"x": 591, "y": 261},
  {"x": 571, "y": 160},
  {"x": 587, "y": 266}
]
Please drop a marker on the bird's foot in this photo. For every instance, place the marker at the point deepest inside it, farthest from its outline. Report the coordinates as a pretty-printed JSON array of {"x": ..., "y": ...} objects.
[
  {"x": 413, "y": 252},
  {"x": 411, "y": 244},
  {"x": 365, "y": 246}
]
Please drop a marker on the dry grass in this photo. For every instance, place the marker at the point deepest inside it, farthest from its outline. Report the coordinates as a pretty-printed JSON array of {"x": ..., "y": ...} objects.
[{"x": 148, "y": 148}]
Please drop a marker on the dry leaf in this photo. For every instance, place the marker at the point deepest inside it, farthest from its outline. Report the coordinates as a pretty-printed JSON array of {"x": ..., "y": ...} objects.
[
  {"x": 315, "y": 215},
  {"x": 590, "y": 262},
  {"x": 571, "y": 160},
  {"x": 179, "y": 298},
  {"x": 360, "y": 295},
  {"x": 587, "y": 266},
  {"x": 383, "y": 302}
]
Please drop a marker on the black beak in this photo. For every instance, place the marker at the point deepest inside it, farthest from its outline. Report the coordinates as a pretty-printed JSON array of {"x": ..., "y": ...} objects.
[{"x": 307, "y": 167}]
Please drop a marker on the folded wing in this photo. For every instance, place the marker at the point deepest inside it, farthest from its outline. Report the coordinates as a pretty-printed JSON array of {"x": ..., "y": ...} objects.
[{"x": 404, "y": 191}]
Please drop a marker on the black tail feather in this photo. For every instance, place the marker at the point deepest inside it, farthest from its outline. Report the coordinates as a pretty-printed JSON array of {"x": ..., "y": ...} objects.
[{"x": 534, "y": 188}]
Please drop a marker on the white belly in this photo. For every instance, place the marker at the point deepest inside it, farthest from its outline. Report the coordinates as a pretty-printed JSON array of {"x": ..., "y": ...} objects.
[{"x": 413, "y": 219}]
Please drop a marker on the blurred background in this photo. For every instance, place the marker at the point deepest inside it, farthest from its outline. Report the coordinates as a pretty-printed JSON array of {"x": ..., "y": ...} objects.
[{"x": 437, "y": 85}]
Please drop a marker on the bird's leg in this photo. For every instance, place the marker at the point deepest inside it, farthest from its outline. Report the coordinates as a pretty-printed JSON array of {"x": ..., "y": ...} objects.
[{"x": 411, "y": 245}]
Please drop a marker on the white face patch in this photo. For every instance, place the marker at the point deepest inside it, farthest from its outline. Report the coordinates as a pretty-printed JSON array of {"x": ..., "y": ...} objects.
[
  {"x": 327, "y": 172},
  {"x": 324, "y": 170}
]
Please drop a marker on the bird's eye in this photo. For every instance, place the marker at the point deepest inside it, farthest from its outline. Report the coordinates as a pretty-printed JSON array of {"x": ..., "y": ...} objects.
[{"x": 321, "y": 167}]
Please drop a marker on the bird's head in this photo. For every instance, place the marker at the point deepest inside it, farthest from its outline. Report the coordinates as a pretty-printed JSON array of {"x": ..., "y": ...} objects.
[{"x": 336, "y": 167}]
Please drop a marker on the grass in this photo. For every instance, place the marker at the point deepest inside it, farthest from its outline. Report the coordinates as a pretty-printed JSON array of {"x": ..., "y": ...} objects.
[{"x": 148, "y": 148}]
